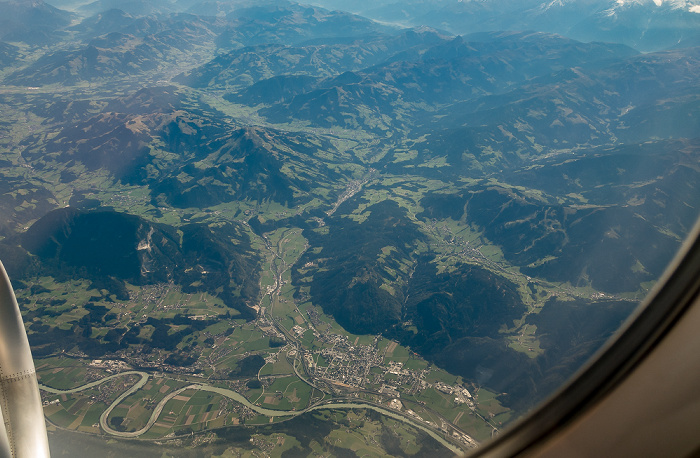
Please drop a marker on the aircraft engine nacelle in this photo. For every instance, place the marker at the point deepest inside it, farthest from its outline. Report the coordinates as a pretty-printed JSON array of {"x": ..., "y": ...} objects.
[{"x": 23, "y": 428}]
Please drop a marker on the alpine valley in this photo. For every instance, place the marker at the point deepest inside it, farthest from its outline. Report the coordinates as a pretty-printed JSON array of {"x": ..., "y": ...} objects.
[{"x": 261, "y": 228}]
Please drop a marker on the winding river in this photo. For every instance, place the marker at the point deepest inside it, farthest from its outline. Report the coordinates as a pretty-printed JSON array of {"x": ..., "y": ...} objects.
[{"x": 236, "y": 397}]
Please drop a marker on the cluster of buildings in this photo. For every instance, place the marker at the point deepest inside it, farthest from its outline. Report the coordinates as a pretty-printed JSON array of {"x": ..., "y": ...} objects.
[
  {"x": 399, "y": 376},
  {"x": 345, "y": 363},
  {"x": 462, "y": 395},
  {"x": 268, "y": 327},
  {"x": 110, "y": 365},
  {"x": 351, "y": 365}
]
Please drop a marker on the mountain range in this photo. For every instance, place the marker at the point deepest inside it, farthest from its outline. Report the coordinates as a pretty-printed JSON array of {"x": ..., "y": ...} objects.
[
  {"x": 647, "y": 25},
  {"x": 452, "y": 192}
]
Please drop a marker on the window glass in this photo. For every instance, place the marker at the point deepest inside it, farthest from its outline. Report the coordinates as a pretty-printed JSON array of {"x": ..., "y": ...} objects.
[{"x": 347, "y": 228}]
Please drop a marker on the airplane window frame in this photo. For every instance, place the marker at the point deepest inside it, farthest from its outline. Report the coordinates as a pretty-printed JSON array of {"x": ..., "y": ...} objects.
[
  {"x": 675, "y": 293},
  {"x": 652, "y": 320}
]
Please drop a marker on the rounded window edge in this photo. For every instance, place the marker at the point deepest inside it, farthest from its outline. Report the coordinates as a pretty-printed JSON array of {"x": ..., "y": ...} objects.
[{"x": 673, "y": 295}]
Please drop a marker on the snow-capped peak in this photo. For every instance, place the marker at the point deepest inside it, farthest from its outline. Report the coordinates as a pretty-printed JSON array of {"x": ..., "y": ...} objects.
[{"x": 689, "y": 5}]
